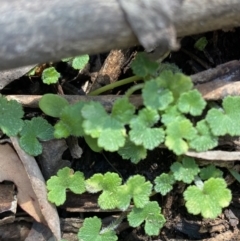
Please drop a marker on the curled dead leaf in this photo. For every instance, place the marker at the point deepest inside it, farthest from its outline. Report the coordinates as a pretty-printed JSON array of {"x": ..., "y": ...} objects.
[{"x": 23, "y": 170}]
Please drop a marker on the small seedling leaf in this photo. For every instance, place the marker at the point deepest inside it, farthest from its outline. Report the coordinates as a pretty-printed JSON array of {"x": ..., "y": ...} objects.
[
  {"x": 191, "y": 102},
  {"x": 123, "y": 110},
  {"x": 70, "y": 121},
  {"x": 136, "y": 188},
  {"x": 91, "y": 231},
  {"x": 210, "y": 171},
  {"x": 80, "y": 62},
  {"x": 109, "y": 198},
  {"x": 11, "y": 113},
  {"x": 133, "y": 152},
  {"x": 113, "y": 135},
  {"x": 61, "y": 130},
  {"x": 171, "y": 114},
  {"x": 177, "y": 133},
  {"x": 95, "y": 183},
  {"x": 140, "y": 190},
  {"x": 225, "y": 121},
  {"x": 185, "y": 171},
  {"x": 65, "y": 180},
  {"x": 50, "y": 76},
  {"x": 142, "y": 133},
  {"x": 151, "y": 214},
  {"x": 201, "y": 43},
  {"x": 32, "y": 71},
  {"x": 156, "y": 97},
  {"x": 109, "y": 184},
  {"x": 147, "y": 137},
  {"x": 209, "y": 200},
  {"x": 36, "y": 128},
  {"x": 177, "y": 83},
  {"x": 94, "y": 117},
  {"x": 164, "y": 183},
  {"x": 97, "y": 123},
  {"x": 204, "y": 140}
]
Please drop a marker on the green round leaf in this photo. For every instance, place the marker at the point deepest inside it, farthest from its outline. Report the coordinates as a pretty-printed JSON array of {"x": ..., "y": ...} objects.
[
  {"x": 133, "y": 152},
  {"x": 191, "y": 102},
  {"x": 201, "y": 43},
  {"x": 65, "y": 179},
  {"x": 164, "y": 183},
  {"x": 123, "y": 110},
  {"x": 80, "y": 62},
  {"x": 37, "y": 128},
  {"x": 185, "y": 171},
  {"x": 50, "y": 76},
  {"x": 151, "y": 214},
  {"x": 210, "y": 171},
  {"x": 156, "y": 97},
  {"x": 209, "y": 200},
  {"x": 91, "y": 231},
  {"x": 225, "y": 121},
  {"x": 177, "y": 133},
  {"x": 11, "y": 113},
  {"x": 52, "y": 105},
  {"x": 204, "y": 140}
]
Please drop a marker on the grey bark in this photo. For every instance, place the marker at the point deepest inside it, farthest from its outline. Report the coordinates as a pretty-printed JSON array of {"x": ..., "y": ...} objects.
[
  {"x": 40, "y": 31},
  {"x": 7, "y": 76},
  {"x": 156, "y": 26}
]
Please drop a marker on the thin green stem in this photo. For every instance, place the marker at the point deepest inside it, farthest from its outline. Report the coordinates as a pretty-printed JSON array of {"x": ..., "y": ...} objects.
[
  {"x": 114, "y": 85},
  {"x": 111, "y": 165},
  {"x": 133, "y": 89}
]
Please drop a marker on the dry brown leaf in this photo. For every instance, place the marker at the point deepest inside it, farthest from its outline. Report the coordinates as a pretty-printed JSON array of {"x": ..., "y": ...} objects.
[
  {"x": 48, "y": 212},
  {"x": 12, "y": 169}
]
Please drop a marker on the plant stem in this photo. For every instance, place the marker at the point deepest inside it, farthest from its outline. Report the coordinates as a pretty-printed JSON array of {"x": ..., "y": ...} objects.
[
  {"x": 111, "y": 165},
  {"x": 133, "y": 89},
  {"x": 114, "y": 85},
  {"x": 116, "y": 223}
]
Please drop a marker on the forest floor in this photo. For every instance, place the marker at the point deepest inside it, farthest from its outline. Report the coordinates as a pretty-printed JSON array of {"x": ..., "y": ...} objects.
[{"x": 222, "y": 47}]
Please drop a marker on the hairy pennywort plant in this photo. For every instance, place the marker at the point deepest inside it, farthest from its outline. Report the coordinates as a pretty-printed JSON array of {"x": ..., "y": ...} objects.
[
  {"x": 167, "y": 99},
  {"x": 167, "y": 117},
  {"x": 170, "y": 106},
  {"x": 29, "y": 131},
  {"x": 50, "y": 75},
  {"x": 114, "y": 194},
  {"x": 204, "y": 197}
]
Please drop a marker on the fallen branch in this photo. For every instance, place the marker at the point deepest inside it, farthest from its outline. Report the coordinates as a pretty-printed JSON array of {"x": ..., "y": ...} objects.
[
  {"x": 107, "y": 101},
  {"x": 42, "y": 31},
  {"x": 225, "y": 156}
]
